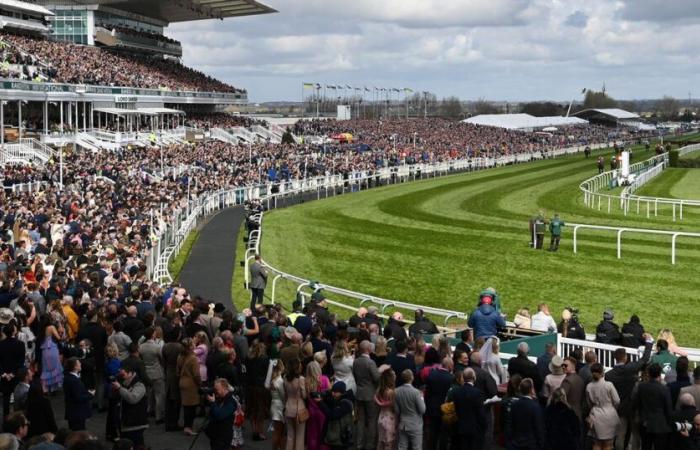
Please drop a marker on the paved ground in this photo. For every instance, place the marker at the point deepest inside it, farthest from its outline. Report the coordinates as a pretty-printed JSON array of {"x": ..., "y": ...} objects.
[
  {"x": 209, "y": 268},
  {"x": 156, "y": 438}
]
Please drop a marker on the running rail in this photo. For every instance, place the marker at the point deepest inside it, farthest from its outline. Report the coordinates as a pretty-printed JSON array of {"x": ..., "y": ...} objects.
[{"x": 648, "y": 169}]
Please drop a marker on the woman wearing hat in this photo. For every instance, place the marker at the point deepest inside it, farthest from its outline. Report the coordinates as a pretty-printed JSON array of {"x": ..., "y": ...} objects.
[{"x": 554, "y": 379}]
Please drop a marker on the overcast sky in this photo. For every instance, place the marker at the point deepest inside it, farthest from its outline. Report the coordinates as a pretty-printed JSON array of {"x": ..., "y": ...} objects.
[{"x": 495, "y": 49}]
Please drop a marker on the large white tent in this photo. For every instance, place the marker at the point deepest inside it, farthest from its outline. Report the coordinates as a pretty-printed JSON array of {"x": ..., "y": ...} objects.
[{"x": 523, "y": 122}]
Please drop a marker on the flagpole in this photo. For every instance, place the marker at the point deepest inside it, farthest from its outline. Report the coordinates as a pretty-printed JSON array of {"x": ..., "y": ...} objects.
[{"x": 302, "y": 100}]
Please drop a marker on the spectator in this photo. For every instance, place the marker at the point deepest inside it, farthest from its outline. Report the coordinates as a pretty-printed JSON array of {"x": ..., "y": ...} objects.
[
  {"x": 366, "y": 377},
  {"x": 151, "y": 353},
  {"x": 222, "y": 407},
  {"x": 584, "y": 371},
  {"x": 77, "y": 397},
  {"x": 295, "y": 394},
  {"x": 278, "y": 400},
  {"x": 554, "y": 379},
  {"x": 395, "y": 327},
  {"x": 543, "y": 321},
  {"x": 39, "y": 411},
  {"x": 134, "y": 404},
  {"x": 471, "y": 423},
  {"x": 522, "y": 319},
  {"x": 633, "y": 333},
  {"x": 316, "y": 385},
  {"x": 409, "y": 407},
  {"x": 652, "y": 403},
  {"x": 258, "y": 399},
  {"x": 545, "y": 358},
  {"x": 343, "y": 361},
  {"x": 526, "y": 419},
  {"x": 437, "y": 384},
  {"x": 573, "y": 388},
  {"x": 569, "y": 326},
  {"x": 561, "y": 423},
  {"x": 603, "y": 401},
  {"x": 171, "y": 353},
  {"x": 386, "y": 421},
  {"x": 682, "y": 379},
  {"x": 17, "y": 425},
  {"x": 422, "y": 325},
  {"x": 11, "y": 360},
  {"x": 522, "y": 366},
  {"x": 664, "y": 358},
  {"x": 258, "y": 281},
  {"x": 607, "y": 331},
  {"x": 337, "y": 407},
  {"x": 667, "y": 335},
  {"x": 189, "y": 382},
  {"x": 24, "y": 380},
  {"x": 400, "y": 361},
  {"x": 485, "y": 320},
  {"x": 693, "y": 390}
]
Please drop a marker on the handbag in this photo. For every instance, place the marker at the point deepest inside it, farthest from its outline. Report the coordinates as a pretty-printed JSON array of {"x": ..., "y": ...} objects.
[
  {"x": 449, "y": 415},
  {"x": 302, "y": 414},
  {"x": 239, "y": 417}
]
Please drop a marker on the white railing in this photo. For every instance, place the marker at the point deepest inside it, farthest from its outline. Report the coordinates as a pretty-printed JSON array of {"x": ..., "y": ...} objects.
[
  {"x": 646, "y": 170},
  {"x": 224, "y": 136},
  {"x": 620, "y": 230},
  {"x": 606, "y": 352},
  {"x": 266, "y": 134},
  {"x": 244, "y": 134}
]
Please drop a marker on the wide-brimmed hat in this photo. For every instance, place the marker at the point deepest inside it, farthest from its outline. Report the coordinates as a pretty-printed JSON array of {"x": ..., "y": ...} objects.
[
  {"x": 6, "y": 315},
  {"x": 555, "y": 365}
]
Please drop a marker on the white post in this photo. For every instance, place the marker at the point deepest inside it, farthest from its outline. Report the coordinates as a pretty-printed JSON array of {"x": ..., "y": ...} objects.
[
  {"x": 60, "y": 166},
  {"x": 19, "y": 117},
  {"x": 619, "y": 243},
  {"x": 673, "y": 248}
]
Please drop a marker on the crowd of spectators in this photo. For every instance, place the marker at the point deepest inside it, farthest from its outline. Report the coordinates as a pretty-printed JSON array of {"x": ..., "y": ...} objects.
[
  {"x": 206, "y": 121},
  {"x": 16, "y": 63},
  {"x": 79, "y": 64},
  {"x": 76, "y": 293},
  {"x": 138, "y": 33}
]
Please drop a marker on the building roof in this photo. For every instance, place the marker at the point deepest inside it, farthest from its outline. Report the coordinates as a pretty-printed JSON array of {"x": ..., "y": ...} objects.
[
  {"x": 523, "y": 121},
  {"x": 612, "y": 113},
  {"x": 170, "y": 11},
  {"x": 25, "y": 7}
]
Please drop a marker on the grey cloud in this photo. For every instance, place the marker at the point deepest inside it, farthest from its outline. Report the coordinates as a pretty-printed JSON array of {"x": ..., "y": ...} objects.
[
  {"x": 659, "y": 10},
  {"x": 578, "y": 19}
]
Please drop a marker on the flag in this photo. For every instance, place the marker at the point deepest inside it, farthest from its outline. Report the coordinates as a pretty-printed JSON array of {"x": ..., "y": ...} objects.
[
  {"x": 347, "y": 86},
  {"x": 318, "y": 86},
  {"x": 394, "y": 89},
  {"x": 330, "y": 86},
  {"x": 308, "y": 85},
  {"x": 584, "y": 91},
  {"x": 409, "y": 90},
  {"x": 366, "y": 89}
]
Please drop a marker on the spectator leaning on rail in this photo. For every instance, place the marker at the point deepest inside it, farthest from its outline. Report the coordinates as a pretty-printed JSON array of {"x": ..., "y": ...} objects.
[
  {"x": 422, "y": 325},
  {"x": 608, "y": 332},
  {"x": 485, "y": 320},
  {"x": 543, "y": 321}
]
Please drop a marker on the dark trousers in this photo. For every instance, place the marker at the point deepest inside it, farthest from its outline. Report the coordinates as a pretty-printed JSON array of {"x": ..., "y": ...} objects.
[
  {"x": 256, "y": 296},
  {"x": 220, "y": 442},
  {"x": 540, "y": 241},
  {"x": 136, "y": 438},
  {"x": 172, "y": 414},
  {"x": 437, "y": 434},
  {"x": 189, "y": 412},
  {"x": 76, "y": 425},
  {"x": 654, "y": 441},
  {"x": 468, "y": 442},
  {"x": 112, "y": 424},
  {"x": 7, "y": 387},
  {"x": 554, "y": 243}
]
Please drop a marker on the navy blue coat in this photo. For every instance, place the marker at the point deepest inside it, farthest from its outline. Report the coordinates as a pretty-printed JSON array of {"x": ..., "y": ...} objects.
[
  {"x": 527, "y": 424},
  {"x": 470, "y": 413},
  {"x": 77, "y": 398}
]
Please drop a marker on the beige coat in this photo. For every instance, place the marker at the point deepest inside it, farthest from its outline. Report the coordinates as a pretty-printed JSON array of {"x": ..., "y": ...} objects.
[{"x": 188, "y": 372}]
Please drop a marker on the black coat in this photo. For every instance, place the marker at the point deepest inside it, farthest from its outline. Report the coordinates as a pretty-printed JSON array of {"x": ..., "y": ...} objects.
[
  {"x": 470, "y": 413},
  {"x": 527, "y": 424},
  {"x": 11, "y": 355},
  {"x": 395, "y": 329},
  {"x": 563, "y": 428},
  {"x": 437, "y": 384},
  {"x": 624, "y": 377},
  {"x": 632, "y": 335},
  {"x": 39, "y": 411},
  {"x": 399, "y": 364},
  {"x": 77, "y": 398},
  {"x": 97, "y": 336},
  {"x": 608, "y": 332},
  {"x": 422, "y": 326},
  {"x": 653, "y": 403},
  {"x": 572, "y": 329},
  {"x": 526, "y": 369}
]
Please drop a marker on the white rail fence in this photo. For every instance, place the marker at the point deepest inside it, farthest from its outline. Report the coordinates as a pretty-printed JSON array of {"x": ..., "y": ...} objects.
[
  {"x": 647, "y": 170},
  {"x": 170, "y": 238},
  {"x": 620, "y": 230}
]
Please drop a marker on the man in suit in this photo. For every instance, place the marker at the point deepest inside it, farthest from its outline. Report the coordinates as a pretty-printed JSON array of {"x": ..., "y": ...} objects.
[
  {"x": 77, "y": 397},
  {"x": 694, "y": 389},
  {"x": 527, "y": 422},
  {"x": 12, "y": 355},
  {"x": 258, "y": 281},
  {"x": 409, "y": 408},
  {"x": 367, "y": 378},
  {"x": 437, "y": 383},
  {"x": 624, "y": 376},
  {"x": 524, "y": 367},
  {"x": 93, "y": 331},
  {"x": 153, "y": 363},
  {"x": 471, "y": 423},
  {"x": 653, "y": 404},
  {"x": 573, "y": 387}
]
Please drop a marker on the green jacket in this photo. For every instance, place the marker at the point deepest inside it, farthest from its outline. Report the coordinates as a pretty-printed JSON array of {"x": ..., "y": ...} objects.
[
  {"x": 555, "y": 226},
  {"x": 666, "y": 360}
]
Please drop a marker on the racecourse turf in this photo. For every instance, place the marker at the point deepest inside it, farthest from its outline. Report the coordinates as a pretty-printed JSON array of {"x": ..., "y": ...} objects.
[{"x": 438, "y": 242}]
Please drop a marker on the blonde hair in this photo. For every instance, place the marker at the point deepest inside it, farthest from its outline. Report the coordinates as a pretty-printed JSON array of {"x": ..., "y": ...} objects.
[
  {"x": 380, "y": 346},
  {"x": 307, "y": 349},
  {"x": 321, "y": 358},
  {"x": 341, "y": 350},
  {"x": 111, "y": 351},
  {"x": 667, "y": 335},
  {"x": 313, "y": 377},
  {"x": 277, "y": 370},
  {"x": 201, "y": 338}
]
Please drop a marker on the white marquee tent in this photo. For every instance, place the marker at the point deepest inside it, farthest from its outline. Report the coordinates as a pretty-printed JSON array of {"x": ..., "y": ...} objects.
[{"x": 523, "y": 122}]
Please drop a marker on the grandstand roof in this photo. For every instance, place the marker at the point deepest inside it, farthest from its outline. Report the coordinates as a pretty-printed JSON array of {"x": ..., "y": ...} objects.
[
  {"x": 186, "y": 10},
  {"x": 26, "y": 7},
  {"x": 611, "y": 113},
  {"x": 523, "y": 121}
]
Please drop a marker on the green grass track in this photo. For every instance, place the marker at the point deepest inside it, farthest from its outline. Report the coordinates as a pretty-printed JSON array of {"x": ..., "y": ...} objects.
[{"x": 438, "y": 242}]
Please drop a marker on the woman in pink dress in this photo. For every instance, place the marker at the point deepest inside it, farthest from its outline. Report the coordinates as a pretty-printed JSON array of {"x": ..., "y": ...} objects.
[
  {"x": 201, "y": 350},
  {"x": 316, "y": 383},
  {"x": 384, "y": 398}
]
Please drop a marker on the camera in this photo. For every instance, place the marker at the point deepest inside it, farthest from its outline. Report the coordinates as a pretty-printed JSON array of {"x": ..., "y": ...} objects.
[
  {"x": 205, "y": 391},
  {"x": 683, "y": 426}
]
